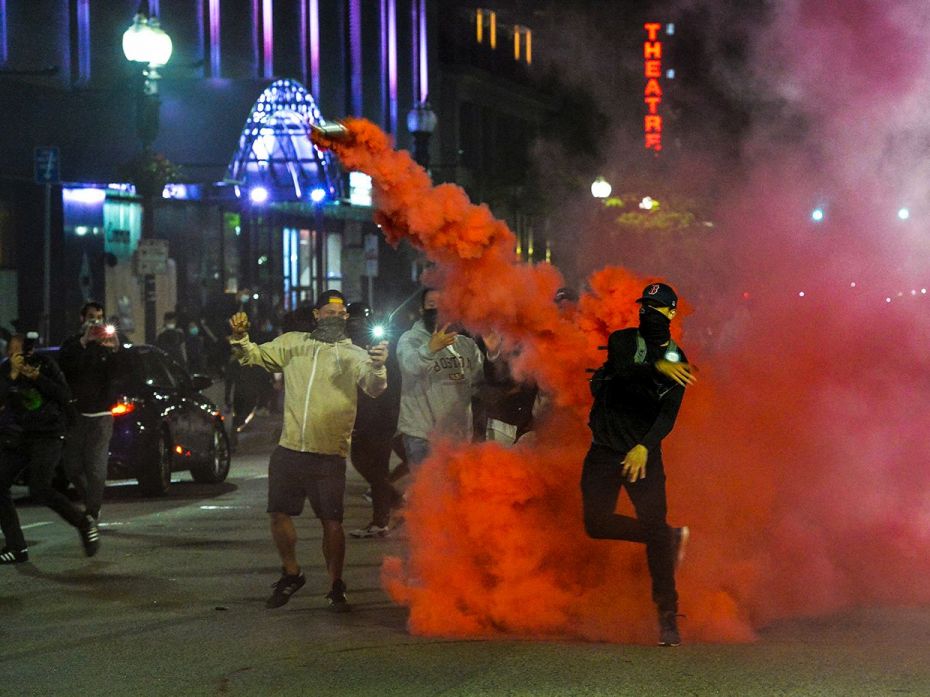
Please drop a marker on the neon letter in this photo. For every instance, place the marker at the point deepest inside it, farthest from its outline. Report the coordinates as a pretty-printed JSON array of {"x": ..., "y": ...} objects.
[
  {"x": 652, "y": 29},
  {"x": 653, "y": 89},
  {"x": 652, "y": 49},
  {"x": 652, "y": 124}
]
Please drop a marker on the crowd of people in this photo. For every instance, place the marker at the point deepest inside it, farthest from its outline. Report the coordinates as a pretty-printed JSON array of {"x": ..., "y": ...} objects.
[{"x": 348, "y": 393}]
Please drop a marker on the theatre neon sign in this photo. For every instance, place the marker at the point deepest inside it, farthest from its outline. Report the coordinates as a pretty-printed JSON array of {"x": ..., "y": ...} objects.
[{"x": 652, "y": 93}]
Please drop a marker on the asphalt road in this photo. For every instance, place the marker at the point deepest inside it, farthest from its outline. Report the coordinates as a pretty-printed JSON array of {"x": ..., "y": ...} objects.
[{"x": 174, "y": 605}]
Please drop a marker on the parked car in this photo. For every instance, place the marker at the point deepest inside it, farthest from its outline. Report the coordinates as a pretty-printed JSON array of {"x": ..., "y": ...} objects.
[{"x": 163, "y": 424}]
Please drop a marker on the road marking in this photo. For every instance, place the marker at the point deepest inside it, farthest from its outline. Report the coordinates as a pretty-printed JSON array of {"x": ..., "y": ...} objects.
[{"x": 36, "y": 525}]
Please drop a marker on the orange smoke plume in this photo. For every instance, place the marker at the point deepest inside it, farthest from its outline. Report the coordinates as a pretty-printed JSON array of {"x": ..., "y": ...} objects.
[{"x": 497, "y": 544}]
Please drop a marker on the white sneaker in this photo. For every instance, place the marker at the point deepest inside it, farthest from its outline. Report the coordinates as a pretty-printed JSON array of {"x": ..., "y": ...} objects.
[{"x": 371, "y": 530}]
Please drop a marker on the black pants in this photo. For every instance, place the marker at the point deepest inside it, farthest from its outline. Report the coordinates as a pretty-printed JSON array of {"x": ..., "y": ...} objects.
[
  {"x": 371, "y": 456},
  {"x": 40, "y": 455},
  {"x": 601, "y": 480}
]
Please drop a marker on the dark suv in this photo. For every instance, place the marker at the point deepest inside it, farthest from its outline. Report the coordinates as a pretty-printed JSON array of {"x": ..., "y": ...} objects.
[{"x": 163, "y": 424}]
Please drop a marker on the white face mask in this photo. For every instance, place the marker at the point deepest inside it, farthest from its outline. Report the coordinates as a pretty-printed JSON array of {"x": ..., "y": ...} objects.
[{"x": 170, "y": 325}]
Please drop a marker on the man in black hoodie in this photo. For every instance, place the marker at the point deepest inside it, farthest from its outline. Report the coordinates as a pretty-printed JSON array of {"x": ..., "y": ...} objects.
[
  {"x": 90, "y": 362},
  {"x": 34, "y": 398},
  {"x": 637, "y": 394}
]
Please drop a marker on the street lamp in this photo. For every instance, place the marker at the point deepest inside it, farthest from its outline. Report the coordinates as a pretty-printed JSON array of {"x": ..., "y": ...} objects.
[
  {"x": 601, "y": 188},
  {"x": 146, "y": 43},
  {"x": 421, "y": 122}
]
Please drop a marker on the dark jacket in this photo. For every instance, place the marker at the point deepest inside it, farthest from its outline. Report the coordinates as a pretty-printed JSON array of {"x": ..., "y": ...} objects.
[
  {"x": 38, "y": 406},
  {"x": 171, "y": 341},
  {"x": 93, "y": 373},
  {"x": 633, "y": 403}
]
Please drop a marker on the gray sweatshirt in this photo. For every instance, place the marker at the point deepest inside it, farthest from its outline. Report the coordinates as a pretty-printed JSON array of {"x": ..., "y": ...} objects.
[{"x": 437, "y": 388}]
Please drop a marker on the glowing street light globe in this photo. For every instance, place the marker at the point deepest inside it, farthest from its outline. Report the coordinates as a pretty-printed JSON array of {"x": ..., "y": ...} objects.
[
  {"x": 601, "y": 188},
  {"x": 317, "y": 195},
  {"x": 258, "y": 195},
  {"x": 146, "y": 42},
  {"x": 817, "y": 215},
  {"x": 904, "y": 214}
]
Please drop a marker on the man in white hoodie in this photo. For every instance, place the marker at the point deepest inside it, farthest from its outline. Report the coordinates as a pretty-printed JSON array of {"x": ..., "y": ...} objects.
[
  {"x": 440, "y": 370},
  {"x": 322, "y": 370}
]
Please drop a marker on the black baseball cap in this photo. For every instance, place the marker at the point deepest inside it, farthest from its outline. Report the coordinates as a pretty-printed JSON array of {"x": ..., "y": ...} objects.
[
  {"x": 330, "y": 296},
  {"x": 659, "y": 295}
]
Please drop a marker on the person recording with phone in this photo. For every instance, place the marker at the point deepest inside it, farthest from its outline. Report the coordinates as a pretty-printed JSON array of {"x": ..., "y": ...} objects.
[
  {"x": 91, "y": 361},
  {"x": 34, "y": 399},
  {"x": 375, "y": 425}
]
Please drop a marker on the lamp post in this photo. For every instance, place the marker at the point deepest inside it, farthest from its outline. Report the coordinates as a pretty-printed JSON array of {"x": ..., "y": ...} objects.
[
  {"x": 318, "y": 197},
  {"x": 421, "y": 122},
  {"x": 145, "y": 43}
]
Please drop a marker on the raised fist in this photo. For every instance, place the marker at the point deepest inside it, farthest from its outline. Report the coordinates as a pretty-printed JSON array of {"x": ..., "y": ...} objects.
[{"x": 239, "y": 324}]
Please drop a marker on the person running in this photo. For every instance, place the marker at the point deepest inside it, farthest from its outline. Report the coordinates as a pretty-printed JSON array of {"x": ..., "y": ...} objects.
[
  {"x": 322, "y": 371},
  {"x": 637, "y": 395},
  {"x": 34, "y": 401}
]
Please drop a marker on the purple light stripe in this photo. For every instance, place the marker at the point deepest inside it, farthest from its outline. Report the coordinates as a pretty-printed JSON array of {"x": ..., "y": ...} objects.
[
  {"x": 424, "y": 57},
  {"x": 4, "y": 49},
  {"x": 315, "y": 48},
  {"x": 83, "y": 37},
  {"x": 302, "y": 39},
  {"x": 154, "y": 9},
  {"x": 415, "y": 46},
  {"x": 392, "y": 62},
  {"x": 215, "y": 38},
  {"x": 355, "y": 55},
  {"x": 268, "y": 37}
]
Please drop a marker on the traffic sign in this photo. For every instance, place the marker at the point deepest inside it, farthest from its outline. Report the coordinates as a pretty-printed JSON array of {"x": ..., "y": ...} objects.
[
  {"x": 152, "y": 257},
  {"x": 47, "y": 161}
]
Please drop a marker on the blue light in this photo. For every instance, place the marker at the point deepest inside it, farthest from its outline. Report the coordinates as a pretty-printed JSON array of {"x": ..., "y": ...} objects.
[
  {"x": 258, "y": 194},
  {"x": 817, "y": 215},
  {"x": 317, "y": 195}
]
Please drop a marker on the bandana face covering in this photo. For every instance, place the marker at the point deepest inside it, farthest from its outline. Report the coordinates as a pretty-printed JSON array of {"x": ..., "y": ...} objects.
[
  {"x": 330, "y": 329},
  {"x": 654, "y": 327}
]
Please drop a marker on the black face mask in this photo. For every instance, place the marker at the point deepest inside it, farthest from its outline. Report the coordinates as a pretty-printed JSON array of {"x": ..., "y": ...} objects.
[
  {"x": 330, "y": 329},
  {"x": 654, "y": 327},
  {"x": 430, "y": 317}
]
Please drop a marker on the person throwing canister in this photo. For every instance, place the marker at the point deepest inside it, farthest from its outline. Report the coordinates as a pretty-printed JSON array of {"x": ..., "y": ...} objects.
[
  {"x": 322, "y": 371},
  {"x": 637, "y": 394}
]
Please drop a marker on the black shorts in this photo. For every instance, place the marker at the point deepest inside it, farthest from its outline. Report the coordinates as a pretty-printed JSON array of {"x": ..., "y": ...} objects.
[{"x": 294, "y": 477}]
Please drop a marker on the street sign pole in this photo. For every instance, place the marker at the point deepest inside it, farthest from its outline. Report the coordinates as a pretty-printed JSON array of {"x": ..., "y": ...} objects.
[
  {"x": 47, "y": 171},
  {"x": 47, "y": 265}
]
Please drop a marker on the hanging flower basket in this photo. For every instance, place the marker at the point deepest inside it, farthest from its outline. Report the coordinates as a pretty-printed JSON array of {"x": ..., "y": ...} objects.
[{"x": 149, "y": 172}]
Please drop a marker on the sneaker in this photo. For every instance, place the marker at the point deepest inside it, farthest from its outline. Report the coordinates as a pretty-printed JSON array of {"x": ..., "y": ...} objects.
[
  {"x": 680, "y": 538},
  {"x": 90, "y": 536},
  {"x": 8, "y": 555},
  {"x": 668, "y": 629},
  {"x": 284, "y": 588},
  {"x": 337, "y": 598},
  {"x": 371, "y": 530}
]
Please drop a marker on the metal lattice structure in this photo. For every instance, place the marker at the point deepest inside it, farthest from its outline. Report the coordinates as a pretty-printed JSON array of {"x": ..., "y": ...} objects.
[{"x": 275, "y": 151}]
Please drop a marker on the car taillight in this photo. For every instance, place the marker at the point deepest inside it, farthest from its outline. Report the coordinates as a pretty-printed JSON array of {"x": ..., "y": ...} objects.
[{"x": 122, "y": 408}]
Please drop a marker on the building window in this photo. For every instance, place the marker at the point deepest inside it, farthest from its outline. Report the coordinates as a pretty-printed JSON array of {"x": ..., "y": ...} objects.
[
  {"x": 522, "y": 44},
  {"x": 334, "y": 261},
  {"x": 486, "y": 27}
]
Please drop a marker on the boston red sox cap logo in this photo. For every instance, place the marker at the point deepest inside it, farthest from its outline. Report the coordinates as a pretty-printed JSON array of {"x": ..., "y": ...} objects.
[{"x": 659, "y": 294}]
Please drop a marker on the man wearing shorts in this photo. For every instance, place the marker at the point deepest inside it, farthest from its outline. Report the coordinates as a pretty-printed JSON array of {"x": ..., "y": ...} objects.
[{"x": 322, "y": 370}]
